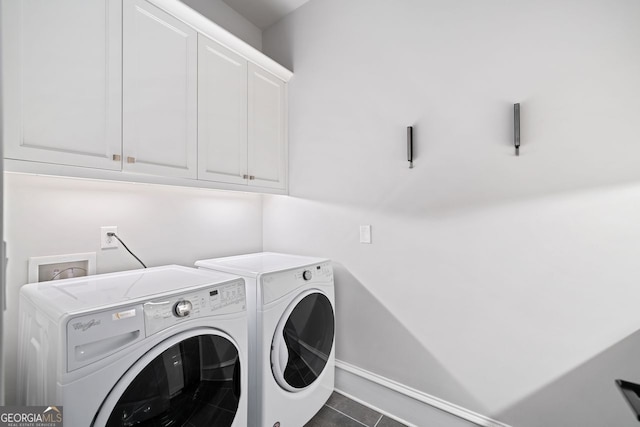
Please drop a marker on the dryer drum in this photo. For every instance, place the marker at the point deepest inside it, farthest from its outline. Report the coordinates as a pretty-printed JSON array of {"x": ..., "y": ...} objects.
[
  {"x": 194, "y": 382},
  {"x": 308, "y": 335}
]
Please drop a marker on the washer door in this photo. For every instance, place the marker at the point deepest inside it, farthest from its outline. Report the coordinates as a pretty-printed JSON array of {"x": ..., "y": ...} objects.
[
  {"x": 192, "y": 379},
  {"x": 303, "y": 341}
]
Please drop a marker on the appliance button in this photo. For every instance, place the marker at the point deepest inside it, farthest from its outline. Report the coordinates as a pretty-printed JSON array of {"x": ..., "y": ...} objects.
[
  {"x": 182, "y": 308},
  {"x": 306, "y": 275}
]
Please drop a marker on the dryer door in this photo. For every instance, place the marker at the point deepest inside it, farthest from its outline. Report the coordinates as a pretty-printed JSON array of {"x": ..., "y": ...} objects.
[
  {"x": 192, "y": 379},
  {"x": 303, "y": 341}
]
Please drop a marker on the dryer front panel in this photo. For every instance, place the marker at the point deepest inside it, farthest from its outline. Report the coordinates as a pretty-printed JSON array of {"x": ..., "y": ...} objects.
[
  {"x": 192, "y": 382},
  {"x": 303, "y": 341}
]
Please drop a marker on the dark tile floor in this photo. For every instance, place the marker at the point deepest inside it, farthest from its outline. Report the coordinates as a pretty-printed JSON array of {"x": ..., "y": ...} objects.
[{"x": 340, "y": 411}]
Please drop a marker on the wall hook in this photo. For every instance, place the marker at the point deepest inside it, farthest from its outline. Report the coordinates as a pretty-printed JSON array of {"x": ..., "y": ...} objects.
[
  {"x": 410, "y": 146},
  {"x": 516, "y": 127}
]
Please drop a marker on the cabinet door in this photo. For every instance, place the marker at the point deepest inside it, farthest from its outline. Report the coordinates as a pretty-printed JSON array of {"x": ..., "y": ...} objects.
[
  {"x": 61, "y": 81},
  {"x": 267, "y": 129},
  {"x": 159, "y": 92},
  {"x": 222, "y": 113}
]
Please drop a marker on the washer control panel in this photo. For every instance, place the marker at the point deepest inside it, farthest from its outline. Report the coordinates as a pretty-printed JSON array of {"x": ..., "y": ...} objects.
[{"x": 162, "y": 313}]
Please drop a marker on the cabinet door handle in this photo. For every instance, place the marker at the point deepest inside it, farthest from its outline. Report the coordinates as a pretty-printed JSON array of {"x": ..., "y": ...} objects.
[
  {"x": 117, "y": 157},
  {"x": 245, "y": 176},
  {"x": 131, "y": 159},
  {"x": 252, "y": 177}
]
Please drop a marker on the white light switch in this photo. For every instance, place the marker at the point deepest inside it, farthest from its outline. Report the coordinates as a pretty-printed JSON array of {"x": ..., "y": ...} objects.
[{"x": 365, "y": 234}]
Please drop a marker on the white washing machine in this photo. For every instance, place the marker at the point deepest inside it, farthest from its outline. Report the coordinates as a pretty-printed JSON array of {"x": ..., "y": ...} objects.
[
  {"x": 155, "y": 347},
  {"x": 290, "y": 304}
]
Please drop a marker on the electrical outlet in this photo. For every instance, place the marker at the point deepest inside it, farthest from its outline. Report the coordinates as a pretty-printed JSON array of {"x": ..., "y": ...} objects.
[{"x": 106, "y": 241}]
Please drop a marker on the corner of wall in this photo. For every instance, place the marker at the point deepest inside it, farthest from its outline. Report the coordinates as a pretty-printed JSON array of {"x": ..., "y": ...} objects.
[{"x": 225, "y": 16}]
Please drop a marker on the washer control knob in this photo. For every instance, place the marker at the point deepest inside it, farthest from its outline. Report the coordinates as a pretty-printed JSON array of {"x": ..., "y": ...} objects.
[
  {"x": 182, "y": 308},
  {"x": 306, "y": 275}
]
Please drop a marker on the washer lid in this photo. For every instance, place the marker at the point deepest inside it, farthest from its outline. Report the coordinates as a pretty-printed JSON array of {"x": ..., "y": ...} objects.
[
  {"x": 190, "y": 379},
  {"x": 59, "y": 297},
  {"x": 252, "y": 265}
]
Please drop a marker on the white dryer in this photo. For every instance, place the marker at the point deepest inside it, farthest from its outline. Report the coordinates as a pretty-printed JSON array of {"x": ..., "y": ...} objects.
[
  {"x": 290, "y": 304},
  {"x": 155, "y": 347}
]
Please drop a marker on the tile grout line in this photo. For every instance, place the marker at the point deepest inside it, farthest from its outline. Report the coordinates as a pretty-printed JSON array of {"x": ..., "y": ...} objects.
[
  {"x": 340, "y": 412},
  {"x": 365, "y": 406}
]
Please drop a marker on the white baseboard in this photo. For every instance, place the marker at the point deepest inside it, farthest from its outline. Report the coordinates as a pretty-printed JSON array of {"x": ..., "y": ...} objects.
[{"x": 402, "y": 403}]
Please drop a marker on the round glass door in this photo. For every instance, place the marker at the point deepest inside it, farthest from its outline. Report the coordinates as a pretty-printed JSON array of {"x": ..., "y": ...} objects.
[
  {"x": 303, "y": 342},
  {"x": 195, "y": 382}
]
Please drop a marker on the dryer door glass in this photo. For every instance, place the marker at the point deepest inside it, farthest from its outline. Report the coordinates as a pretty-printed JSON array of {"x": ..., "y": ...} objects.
[
  {"x": 308, "y": 337},
  {"x": 193, "y": 383}
]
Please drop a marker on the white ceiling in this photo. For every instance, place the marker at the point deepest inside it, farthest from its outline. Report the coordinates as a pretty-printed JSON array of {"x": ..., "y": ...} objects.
[{"x": 264, "y": 13}]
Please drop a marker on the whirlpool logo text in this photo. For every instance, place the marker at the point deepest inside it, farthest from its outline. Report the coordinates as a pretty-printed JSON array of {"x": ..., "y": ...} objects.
[{"x": 84, "y": 326}]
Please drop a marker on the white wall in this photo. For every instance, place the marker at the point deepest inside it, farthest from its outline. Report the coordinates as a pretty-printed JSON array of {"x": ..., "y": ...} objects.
[
  {"x": 160, "y": 224},
  {"x": 223, "y": 15},
  {"x": 501, "y": 273},
  {"x": 2, "y": 272}
]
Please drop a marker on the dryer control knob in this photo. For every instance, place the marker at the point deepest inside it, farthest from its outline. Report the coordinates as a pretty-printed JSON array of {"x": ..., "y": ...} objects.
[
  {"x": 182, "y": 308},
  {"x": 306, "y": 275}
]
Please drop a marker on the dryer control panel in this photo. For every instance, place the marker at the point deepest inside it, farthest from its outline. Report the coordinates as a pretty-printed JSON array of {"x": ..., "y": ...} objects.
[
  {"x": 162, "y": 313},
  {"x": 276, "y": 285}
]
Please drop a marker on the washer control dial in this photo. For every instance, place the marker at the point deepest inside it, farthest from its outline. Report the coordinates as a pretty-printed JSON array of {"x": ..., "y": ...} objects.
[
  {"x": 182, "y": 308},
  {"x": 306, "y": 275}
]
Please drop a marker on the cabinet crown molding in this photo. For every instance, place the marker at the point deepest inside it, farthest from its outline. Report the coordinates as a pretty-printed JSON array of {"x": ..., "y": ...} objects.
[{"x": 214, "y": 31}]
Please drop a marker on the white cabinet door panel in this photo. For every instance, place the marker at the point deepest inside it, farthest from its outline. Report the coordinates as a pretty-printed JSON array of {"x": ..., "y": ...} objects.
[
  {"x": 62, "y": 81},
  {"x": 160, "y": 93},
  {"x": 267, "y": 131},
  {"x": 222, "y": 113}
]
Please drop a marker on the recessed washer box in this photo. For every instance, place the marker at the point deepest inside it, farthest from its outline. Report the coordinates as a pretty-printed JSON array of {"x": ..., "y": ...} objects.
[{"x": 45, "y": 268}]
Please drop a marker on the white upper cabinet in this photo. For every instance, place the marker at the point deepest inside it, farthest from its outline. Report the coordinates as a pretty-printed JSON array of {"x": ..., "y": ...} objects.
[
  {"x": 160, "y": 79},
  {"x": 139, "y": 90},
  {"x": 222, "y": 113},
  {"x": 241, "y": 120},
  {"x": 61, "y": 81},
  {"x": 267, "y": 129}
]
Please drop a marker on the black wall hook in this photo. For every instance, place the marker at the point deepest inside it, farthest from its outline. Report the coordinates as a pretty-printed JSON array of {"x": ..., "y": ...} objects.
[
  {"x": 516, "y": 127},
  {"x": 410, "y": 146}
]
